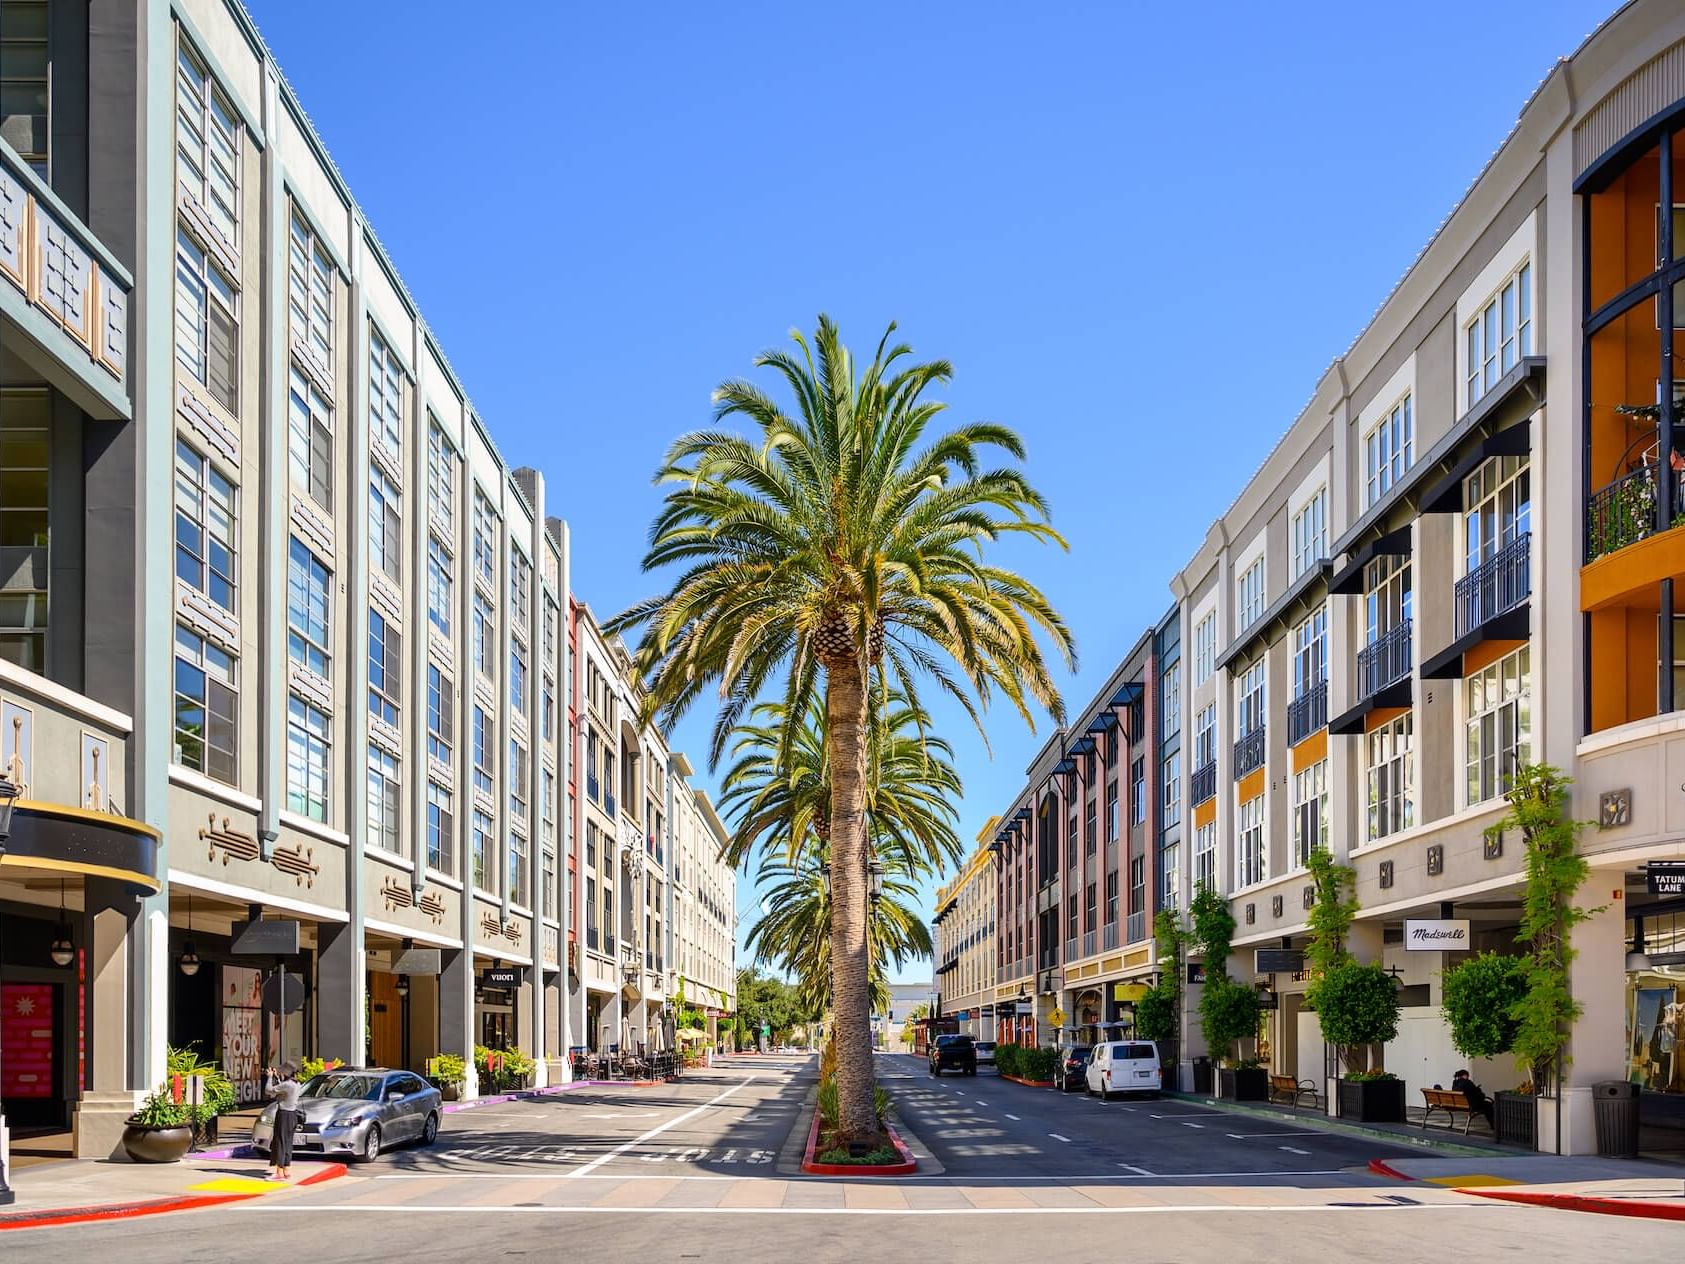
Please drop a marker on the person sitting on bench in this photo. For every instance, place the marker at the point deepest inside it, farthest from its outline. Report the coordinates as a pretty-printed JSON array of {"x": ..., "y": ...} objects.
[{"x": 1477, "y": 1099}]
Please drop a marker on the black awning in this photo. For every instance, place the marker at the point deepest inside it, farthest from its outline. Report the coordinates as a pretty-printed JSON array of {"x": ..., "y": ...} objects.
[
  {"x": 1064, "y": 766},
  {"x": 1396, "y": 694},
  {"x": 1349, "y": 578},
  {"x": 1446, "y": 496},
  {"x": 1083, "y": 745},
  {"x": 1128, "y": 694},
  {"x": 1105, "y": 722},
  {"x": 1512, "y": 625}
]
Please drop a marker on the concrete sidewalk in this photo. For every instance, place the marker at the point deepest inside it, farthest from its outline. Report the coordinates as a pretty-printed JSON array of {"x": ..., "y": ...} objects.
[
  {"x": 79, "y": 1190},
  {"x": 1619, "y": 1187}
]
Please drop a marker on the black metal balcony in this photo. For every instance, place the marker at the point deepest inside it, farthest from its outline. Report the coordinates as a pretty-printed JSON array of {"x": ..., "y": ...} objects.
[
  {"x": 1626, "y": 512},
  {"x": 1496, "y": 586},
  {"x": 1385, "y": 661},
  {"x": 1205, "y": 782},
  {"x": 1307, "y": 713},
  {"x": 1249, "y": 751}
]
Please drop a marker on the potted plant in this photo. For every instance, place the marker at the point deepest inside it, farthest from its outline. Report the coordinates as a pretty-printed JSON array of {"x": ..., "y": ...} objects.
[
  {"x": 161, "y": 1131},
  {"x": 1228, "y": 1011},
  {"x": 1356, "y": 1004},
  {"x": 450, "y": 1073},
  {"x": 216, "y": 1094},
  {"x": 1481, "y": 998}
]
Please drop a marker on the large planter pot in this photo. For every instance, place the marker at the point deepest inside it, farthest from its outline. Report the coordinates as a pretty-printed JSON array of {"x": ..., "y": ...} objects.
[
  {"x": 1517, "y": 1118},
  {"x": 450, "y": 1090},
  {"x": 156, "y": 1145},
  {"x": 1243, "y": 1084},
  {"x": 1372, "y": 1101}
]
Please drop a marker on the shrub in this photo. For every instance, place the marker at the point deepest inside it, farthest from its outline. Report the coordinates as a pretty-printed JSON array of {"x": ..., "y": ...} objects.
[
  {"x": 1480, "y": 997},
  {"x": 1228, "y": 1011},
  {"x": 1356, "y": 1005},
  {"x": 219, "y": 1090},
  {"x": 159, "y": 1110},
  {"x": 310, "y": 1068},
  {"x": 450, "y": 1068},
  {"x": 1368, "y": 1077},
  {"x": 1155, "y": 1013}
]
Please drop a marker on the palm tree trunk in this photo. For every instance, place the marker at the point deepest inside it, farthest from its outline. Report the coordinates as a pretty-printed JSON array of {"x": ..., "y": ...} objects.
[{"x": 845, "y": 732}]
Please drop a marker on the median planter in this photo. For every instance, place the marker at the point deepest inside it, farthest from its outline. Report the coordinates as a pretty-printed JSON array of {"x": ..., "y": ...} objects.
[
  {"x": 1372, "y": 1101},
  {"x": 904, "y": 1166},
  {"x": 1243, "y": 1084},
  {"x": 1517, "y": 1119}
]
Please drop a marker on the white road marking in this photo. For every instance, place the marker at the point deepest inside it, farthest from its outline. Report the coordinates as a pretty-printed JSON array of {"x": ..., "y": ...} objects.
[
  {"x": 1013, "y": 1117},
  {"x": 1186, "y": 1124},
  {"x": 1139, "y": 1171},
  {"x": 1057, "y": 1137},
  {"x": 615, "y": 1114},
  {"x": 1243, "y": 1136},
  {"x": 656, "y": 1131},
  {"x": 260, "y": 1204},
  {"x": 981, "y": 1102},
  {"x": 1202, "y": 1114},
  {"x": 1291, "y": 1150}
]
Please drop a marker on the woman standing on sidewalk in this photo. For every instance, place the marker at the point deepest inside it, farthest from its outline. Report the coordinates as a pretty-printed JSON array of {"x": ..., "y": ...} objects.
[{"x": 284, "y": 1088}]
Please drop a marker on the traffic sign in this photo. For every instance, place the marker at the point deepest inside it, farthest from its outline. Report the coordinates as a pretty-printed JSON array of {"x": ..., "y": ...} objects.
[{"x": 1057, "y": 1018}]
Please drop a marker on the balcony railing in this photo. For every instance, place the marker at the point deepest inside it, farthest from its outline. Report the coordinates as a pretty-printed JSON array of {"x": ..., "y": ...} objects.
[
  {"x": 1625, "y": 511},
  {"x": 1249, "y": 751},
  {"x": 1089, "y": 947},
  {"x": 1205, "y": 782},
  {"x": 1109, "y": 935},
  {"x": 1137, "y": 929},
  {"x": 1496, "y": 586},
  {"x": 1071, "y": 949},
  {"x": 1384, "y": 661},
  {"x": 1307, "y": 713}
]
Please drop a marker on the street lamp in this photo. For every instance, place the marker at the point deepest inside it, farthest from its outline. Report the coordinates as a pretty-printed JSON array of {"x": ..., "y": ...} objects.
[{"x": 8, "y": 801}]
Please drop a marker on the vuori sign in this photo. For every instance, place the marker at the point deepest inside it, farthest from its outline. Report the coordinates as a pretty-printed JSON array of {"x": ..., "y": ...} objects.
[{"x": 1440, "y": 935}]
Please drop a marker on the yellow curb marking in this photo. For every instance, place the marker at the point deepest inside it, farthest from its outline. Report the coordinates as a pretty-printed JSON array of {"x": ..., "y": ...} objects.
[
  {"x": 237, "y": 1185},
  {"x": 1475, "y": 1180}
]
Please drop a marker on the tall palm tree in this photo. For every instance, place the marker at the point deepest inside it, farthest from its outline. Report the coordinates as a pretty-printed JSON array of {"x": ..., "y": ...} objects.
[{"x": 842, "y": 542}]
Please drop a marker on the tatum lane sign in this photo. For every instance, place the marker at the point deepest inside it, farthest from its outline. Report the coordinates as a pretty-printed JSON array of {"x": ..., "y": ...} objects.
[{"x": 1442, "y": 935}]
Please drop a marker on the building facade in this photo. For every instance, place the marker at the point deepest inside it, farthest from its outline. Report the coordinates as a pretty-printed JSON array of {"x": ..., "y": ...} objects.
[
  {"x": 888, "y": 1025},
  {"x": 964, "y": 926},
  {"x": 291, "y": 676},
  {"x": 704, "y": 891}
]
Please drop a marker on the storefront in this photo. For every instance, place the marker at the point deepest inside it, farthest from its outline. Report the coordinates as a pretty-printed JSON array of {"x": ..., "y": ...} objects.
[
  {"x": 1655, "y": 1024},
  {"x": 496, "y": 1017}
]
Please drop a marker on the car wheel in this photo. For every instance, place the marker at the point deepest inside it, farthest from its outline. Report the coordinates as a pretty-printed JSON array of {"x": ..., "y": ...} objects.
[
  {"x": 430, "y": 1129},
  {"x": 1105, "y": 1093},
  {"x": 371, "y": 1144}
]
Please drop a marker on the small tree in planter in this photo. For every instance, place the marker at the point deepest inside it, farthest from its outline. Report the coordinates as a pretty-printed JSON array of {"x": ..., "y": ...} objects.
[
  {"x": 1158, "y": 1014},
  {"x": 1481, "y": 998},
  {"x": 1357, "y": 1006},
  {"x": 1228, "y": 1011}
]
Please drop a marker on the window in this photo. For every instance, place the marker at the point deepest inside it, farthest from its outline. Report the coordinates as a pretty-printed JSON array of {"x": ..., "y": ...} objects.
[
  {"x": 1388, "y": 449},
  {"x": 1252, "y": 863},
  {"x": 590, "y": 844},
  {"x": 482, "y": 851},
  {"x": 484, "y": 638},
  {"x": 307, "y": 760},
  {"x": 310, "y": 439},
  {"x": 1249, "y": 699},
  {"x": 520, "y": 591},
  {"x": 547, "y": 803},
  {"x": 591, "y": 914},
  {"x": 517, "y": 679},
  {"x": 207, "y": 707},
  {"x": 547, "y": 880},
  {"x": 1205, "y": 648},
  {"x": 1388, "y": 775},
  {"x": 204, "y": 526},
  {"x": 517, "y": 869},
  {"x": 1387, "y": 596},
  {"x": 1111, "y": 898},
  {"x": 440, "y": 586},
  {"x": 207, "y": 144},
  {"x": 517, "y": 781},
  {"x": 23, "y": 93},
  {"x": 1310, "y": 652},
  {"x": 485, "y": 771},
  {"x": 1170, "y": 877},
  {"x": 1172, "y": 691},
  {"x": 1310, "y": 533},
  {"x": 207, "y": 326},
  {"x": 310, "y": 275},
  {"x": 1113, "y": 821},
  {"x": 307, "y": 609},
  {"x": 1500, "y": 509},
  {"x": 26, "y": 458},
  {"x": 1500, "y": 334},
  {"x": 1249, "y": 596},
  {"x": 608, "y": 918},
  {"x": 1499, "y": 725},
  {"x": 386, "y": 536},
  {"x": 441, "y": 715},
  {"x": 383, "y": 799},
  {"x": 485, "y": 540},
  {"x": 385, "y": 669},
  {"x": 1090, "y": 832},
  {"x": 1071, "y": 916},
  {"x": 551, "y": 616},
  {"x": 441, "y": 829},
  {"x": 593, "y": 790},
  {"x": 1205, "y": 735},
  {"x": 547, "y": 711},
  {"x": 386, "y": 399},
  {"x": 1205, "y": 856},
  {"x": 441, "y": 478},
  {"x": 1138, "y": 790},
  {"x": 1091, "y": 908},
  {"x": 1310, "y": 811},
  {"x": 1172, "y": 790}
]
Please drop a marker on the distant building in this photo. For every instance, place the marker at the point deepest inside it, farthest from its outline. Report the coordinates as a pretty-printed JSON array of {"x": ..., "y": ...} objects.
[{"x": 904, "y": 998}]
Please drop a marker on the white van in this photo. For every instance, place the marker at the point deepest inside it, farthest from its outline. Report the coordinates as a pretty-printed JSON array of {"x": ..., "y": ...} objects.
[{"x": 1124, "y": 1066}]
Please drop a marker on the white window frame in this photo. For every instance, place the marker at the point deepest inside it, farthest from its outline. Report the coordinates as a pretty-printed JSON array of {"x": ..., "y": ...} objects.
[
  {"x": 1389, "y": 449},
  {"x": 1172, "y": 801},
  {"x": 441, "y": 828},
  {"x": 485, "y": 540},
  {"x": 219, "y": 674},
  {"x": 1500, "y": 335},
  {"x": 1172, "y": 690},
  {"x": 387, "y": 390},
  {"x": 387, "y": 667},
  {"x": 1310, "y": 532},
  {"x": 1205, "y": 856},
  {"x": 386, "y": 524},
  {"x": 441, "y": 585},
  {"x": 1310, "y": 811},
  {"x": 1205, "y": 648},
  {"x": 1497, "y": 725},
  {"x": 1252, "y": 861},
  {"x": 1205, "y": 735},
  {"x": 201, "y": 283},
  {"x": 483, "y": 627},
  {"x": 208, "y": 131},
  {"x": 1310, "y": 651},
  {"x": 309, "y": 578},
  {"x": 441, "y": 715},
  {"x": 1389, "y": 774},
  {"x": 310, "y": 290},
  {"x": 441, "y": 477},
  {"x": 310, "y": 439},
  {"x": 1249, "y": 596},
  {"x": 1499, "y": 496},
  {"x": 206, "y": 505},
  {"x": 385, "y": 799},
  {"x": 1250, "y": 699},
  {"x": 309, "y": 759}
]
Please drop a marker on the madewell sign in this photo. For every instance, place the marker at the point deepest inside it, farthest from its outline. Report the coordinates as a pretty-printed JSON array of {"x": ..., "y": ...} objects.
[{"x": 1440, "y": 935}]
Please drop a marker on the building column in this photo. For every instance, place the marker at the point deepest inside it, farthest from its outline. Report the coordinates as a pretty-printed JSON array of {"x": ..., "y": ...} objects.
[
  {"x": 341, "y": 985},
  {"x": 1597, "y": 1046},
  {"x": 456, "y": 1012},
  {"x": 115, "y": 996}
]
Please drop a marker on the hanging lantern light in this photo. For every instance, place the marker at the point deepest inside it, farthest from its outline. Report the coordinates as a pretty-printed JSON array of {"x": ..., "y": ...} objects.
[
  {"x": 62, "y": 950},
  {"x": 188, "y": 962}
]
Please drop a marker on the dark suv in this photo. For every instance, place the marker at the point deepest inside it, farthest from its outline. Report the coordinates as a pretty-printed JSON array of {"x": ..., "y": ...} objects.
[
  {"x": 953, "y": 1053},
  {"x": 1071, "y": 1069}
]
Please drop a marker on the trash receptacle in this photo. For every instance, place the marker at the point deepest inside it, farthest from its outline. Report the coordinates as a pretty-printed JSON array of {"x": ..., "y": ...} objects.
[
  {"x": 1202, "y": 1075},
  {"x": 1615, "y": 1109}
]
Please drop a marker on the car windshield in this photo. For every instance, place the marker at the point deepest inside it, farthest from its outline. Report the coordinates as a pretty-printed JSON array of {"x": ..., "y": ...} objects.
[
  {"x": 1079, "y": 1052},
  {"x": 985, "y": 1044},
  {"x": 952, "y": 1042},
  {"x": 344, "y": 1087}
]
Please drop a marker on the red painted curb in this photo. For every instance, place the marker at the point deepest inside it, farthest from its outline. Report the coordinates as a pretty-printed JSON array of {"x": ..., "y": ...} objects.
[
  {"x": 906, "y": 1167},
  {"x": 1028, "y": 1083},
  {"x": 327, "y": 1172},
  {"x": 1584, "y": 1202},
  {"x": 1382, "y": 1168},
  {"x": 148, "y": 1207}
]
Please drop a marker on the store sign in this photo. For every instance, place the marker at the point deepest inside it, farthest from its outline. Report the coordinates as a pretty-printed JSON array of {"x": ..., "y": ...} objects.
[
  {"x": 1665, "y": 877},
  {"x": 1196, "y": 972},
  {"x": 502, "y": 977},
  {"x": 416, "y": 961},
  {"x": 270, "y": 937},
  {"x": 1277, "y": 961},
  {"x": 1444, "y": 934}
]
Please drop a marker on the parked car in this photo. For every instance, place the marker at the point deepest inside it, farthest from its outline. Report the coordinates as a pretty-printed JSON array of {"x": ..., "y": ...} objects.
[
  {"x": 1071, "y": 1069},
  {"x": 986, "y": 1053},
  {"x": 953, "y": 1053},
  {"x": 1124, "y": 1066},
  {"x": 357, "y": 1113}
]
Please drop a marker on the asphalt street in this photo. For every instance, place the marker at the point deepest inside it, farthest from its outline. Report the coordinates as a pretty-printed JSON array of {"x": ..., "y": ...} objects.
[{"x": 708, "y": 1169}]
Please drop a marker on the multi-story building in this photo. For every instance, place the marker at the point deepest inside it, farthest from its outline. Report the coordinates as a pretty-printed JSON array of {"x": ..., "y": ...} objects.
[
  {"x": 704, "y": 899},
  {"x": 964, "y": 926},
  {"x": 283, "y": 658},
  {"x": 889, "y": 1024},
  {"x": 1375, "y": 647}
]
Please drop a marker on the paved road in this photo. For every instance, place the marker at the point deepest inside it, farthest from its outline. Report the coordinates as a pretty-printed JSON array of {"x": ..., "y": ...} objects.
[{"x": 702, "y": 1170}]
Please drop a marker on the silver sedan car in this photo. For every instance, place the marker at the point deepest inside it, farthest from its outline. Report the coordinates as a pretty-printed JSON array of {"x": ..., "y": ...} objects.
[{"x": 357, "y": 1113}]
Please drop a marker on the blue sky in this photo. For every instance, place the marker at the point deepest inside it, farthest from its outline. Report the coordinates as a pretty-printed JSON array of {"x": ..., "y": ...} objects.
[{"x": 1140, "y": 234}]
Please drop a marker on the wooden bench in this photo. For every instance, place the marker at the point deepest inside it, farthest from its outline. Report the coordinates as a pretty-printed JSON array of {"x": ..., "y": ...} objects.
[
  {"x": 1290, "y": 1090},
  {"x": 1451, "y": 1102}
]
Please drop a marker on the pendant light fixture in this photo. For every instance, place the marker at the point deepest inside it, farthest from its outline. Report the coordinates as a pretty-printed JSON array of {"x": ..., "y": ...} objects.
[
  {"x": 1637, "y": 959},
  {"x": 62, "y": 951},
  {"x": 189, "y": 960}
]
